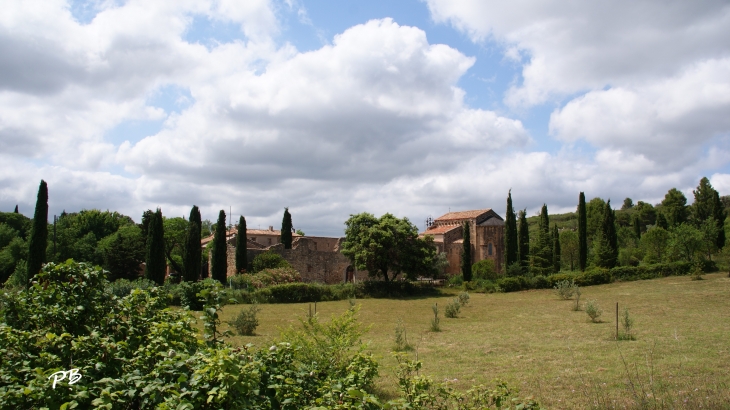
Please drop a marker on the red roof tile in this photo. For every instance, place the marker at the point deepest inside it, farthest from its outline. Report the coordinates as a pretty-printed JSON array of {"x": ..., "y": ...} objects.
[{"x": 455, "y": 216}]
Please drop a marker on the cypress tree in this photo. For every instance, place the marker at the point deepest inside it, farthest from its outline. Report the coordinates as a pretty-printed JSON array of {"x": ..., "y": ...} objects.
[
  {"x": 582, "y": 232},
  {"x": 466, "y": 254},
  {"x": 608, "y": 256},
  {"x": 637, "y": 227},
  {"x": 193, "y": 253},
  {"x": 556, "y": 249},
  {"x": 661, "y": 221},
  {"x": 286, "y": 229},
  {"x": 39, "y": 233},
  {"x": 523, "y": 241},
  {"x": 219, "y": 259},
  {"x": 510, "y": 233},
  {"x": 241, "y": 247},
  {"x": 156, "y": 264},
  {"x": 16, "y": 209},
  {"x": 542, "y": 257}
]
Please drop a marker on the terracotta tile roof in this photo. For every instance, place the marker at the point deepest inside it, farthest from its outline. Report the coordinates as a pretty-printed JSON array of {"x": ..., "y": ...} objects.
[
  {"x": 452, "y": 216},
  {"x": 249, "y": 232},
  {"x": 439, "y": 229}
]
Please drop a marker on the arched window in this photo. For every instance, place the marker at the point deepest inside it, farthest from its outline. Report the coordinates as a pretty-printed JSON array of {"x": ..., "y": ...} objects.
[{"x": 489, "y": 249}]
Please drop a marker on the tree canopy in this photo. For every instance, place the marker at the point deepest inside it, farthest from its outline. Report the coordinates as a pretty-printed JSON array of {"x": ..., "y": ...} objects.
[{"x": 388, "y": 246}]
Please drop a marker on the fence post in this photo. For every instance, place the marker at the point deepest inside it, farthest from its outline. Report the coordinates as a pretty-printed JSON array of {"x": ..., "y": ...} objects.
[{"x": 616, "y": 320}]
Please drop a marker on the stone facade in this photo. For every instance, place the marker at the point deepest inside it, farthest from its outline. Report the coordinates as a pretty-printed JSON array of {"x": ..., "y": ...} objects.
[{"x": 487, "y": 237}]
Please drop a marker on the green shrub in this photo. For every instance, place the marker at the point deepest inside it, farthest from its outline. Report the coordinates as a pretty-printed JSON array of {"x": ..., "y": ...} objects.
[
  {"x": 274, "y": 276},
  {"x": 593, "y": 311},
  {"x": 540, "y": 282},
  {"x": 515, "y": 269},
  {"x": 401, "y": 337},
  {"x": 241, "y": 282},
  {"x": 456, "y": 281},
  {"x": 453, "y": 308},
  {"x": 484, "y": 269},
  {"x": 123, "y": 287},
  {"x": 394, "y": 289},
  {"x": 510, "y": 284},
  {"x": 559, "y": 277},
  {"x": 268, "y": 260},
  {"x": 594, "y": 276},
  {"x": 246, "y": 321},
  {"x": 189, "y": 293},
  {"x": 627, "y": 322}
]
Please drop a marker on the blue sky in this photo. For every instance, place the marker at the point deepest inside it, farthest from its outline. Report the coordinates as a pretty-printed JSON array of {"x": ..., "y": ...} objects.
[{"x": 333, "y": 108}]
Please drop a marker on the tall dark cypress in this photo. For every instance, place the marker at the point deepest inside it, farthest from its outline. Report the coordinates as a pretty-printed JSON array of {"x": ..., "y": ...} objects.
[
  {"x": 466, "y": 254},
  {"x": 542, "y": 257},
  {"x": 510, "y": 233},
  {"x": 193, "y": 252},
  {"x": 637, "y": 227},
  {"x": 16, "y": 209},
  {"x": 39, "y": 233},
  {"x": 609, "y": 233},
  {"x": 219, "y": 259},
  {"x": 286, "y": 228},
  {"x": 241, "y": 247},
  {"x": 156, "y": 264},
  {"x": 556, "y": 249},
  {"x": 523, "y": 241},
  {"x": 582, "y": 233}
]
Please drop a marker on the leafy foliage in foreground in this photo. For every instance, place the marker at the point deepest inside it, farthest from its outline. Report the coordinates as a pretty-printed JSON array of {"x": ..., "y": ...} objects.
[{"x": 134, "y": 353}]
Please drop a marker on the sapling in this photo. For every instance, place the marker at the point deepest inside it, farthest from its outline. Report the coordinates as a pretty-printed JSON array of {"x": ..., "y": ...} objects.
[
  {"x": 576, "y": 307},
  {"x": 453, "y": 308},
  {"x": 464, "y": 298},
  {"x": 435, "y": 327},
  {"x": 401, "y": 337},
  {"x": 593, "y": 311},
  {"x": 627, "y": 322},
  {"x": 565, "y": 289}
]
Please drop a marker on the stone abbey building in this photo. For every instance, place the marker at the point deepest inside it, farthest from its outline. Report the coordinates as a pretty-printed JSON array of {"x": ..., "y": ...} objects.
[{"x": 318, "y": 258}]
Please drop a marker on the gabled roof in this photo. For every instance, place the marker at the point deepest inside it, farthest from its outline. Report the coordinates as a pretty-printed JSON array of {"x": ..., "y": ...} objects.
[
  {"x": 440, "y": 229},
  {"x": 456, "y": 216}
]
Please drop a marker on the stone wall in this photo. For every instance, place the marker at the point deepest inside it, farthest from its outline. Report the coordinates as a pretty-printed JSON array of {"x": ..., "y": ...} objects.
[{"x": 494, "y": 235}]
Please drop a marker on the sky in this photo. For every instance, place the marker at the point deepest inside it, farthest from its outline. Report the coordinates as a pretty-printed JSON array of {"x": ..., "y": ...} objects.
[{"x": 333, "y": 108}]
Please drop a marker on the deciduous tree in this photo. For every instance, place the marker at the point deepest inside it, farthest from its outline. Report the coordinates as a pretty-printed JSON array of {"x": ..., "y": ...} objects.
[
  {"x": 388, "y": 246},
  {"x": 569, "y": 247}
]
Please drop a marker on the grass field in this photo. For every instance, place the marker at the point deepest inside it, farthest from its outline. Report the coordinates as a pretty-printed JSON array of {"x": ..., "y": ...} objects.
[{"x": 536, "y": 342}]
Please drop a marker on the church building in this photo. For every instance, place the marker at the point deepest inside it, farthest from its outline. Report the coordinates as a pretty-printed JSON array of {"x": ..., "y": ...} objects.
[{"x": 487, "y": 237}]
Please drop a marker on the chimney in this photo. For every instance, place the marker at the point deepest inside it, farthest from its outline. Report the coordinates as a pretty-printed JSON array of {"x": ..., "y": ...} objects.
[{"x": 271, "y": 228}]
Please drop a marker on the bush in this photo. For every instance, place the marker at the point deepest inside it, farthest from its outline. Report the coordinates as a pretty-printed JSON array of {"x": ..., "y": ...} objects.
[
  {"x": 540, "y": 282},
  {"x": 275, "y": 276},
  {"x": 246, "y": 322},
  {"x": 241, "y": 282},
  {"x": 123, "y": 287},
  {"x": 565, "y": 289},
  {"x": 268, "y": 260},
  {"x": 515, "y": 269},
  {"x": 484, "y": 269},
  {"x": 560, "y": 277},
  {"x": 593, "y": 311},
  {"x": 453, "y": 308},
  {"x": 510, "y": 284},
  {"x": 456, "y": 281},
  {"x": 464, "y": 298},
  {"x": 594, "y": 276},
  {"x": 394, "y": 289}
]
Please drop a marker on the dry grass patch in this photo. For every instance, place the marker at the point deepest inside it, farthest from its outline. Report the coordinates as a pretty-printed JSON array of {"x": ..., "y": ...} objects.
[{"x": 536, "y": 342}]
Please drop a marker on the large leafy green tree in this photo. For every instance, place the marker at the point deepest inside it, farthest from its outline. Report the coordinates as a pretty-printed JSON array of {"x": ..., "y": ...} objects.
[
  {"x": 388, "y": 246},
  {"x": 175, "y": 234},
  {"x": 582, "y": 233},
  {"x": 674, "y": 207},
  {"x": 123, "y": 252},
  {"x": 192, "y": 258},
  {"x": 707, "y": 205},
  {"x": 286, "y": 229},
  {"x": 647, "y": 214},
  {"x": 510, "y": 234},
  {"x": 155, "y": 268},
  {"x": 523, "y": 241},
  {"x": 685, "y": 242},
  {"x": 466, "y": 256},
  {"x": 569, "y": 247},
  {"x": 219, "y": 259},
  {"x": 38, "y": 240},
  {"x": 78, "y": 234},
  {"x": 654, "y": 244},
  {"x": 241, "y": 246}
]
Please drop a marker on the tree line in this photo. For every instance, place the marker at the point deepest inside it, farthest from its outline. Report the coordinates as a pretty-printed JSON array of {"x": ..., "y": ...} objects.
[
  {"x": 598, "y": 235},
  {"x": 119, "y": 245}
]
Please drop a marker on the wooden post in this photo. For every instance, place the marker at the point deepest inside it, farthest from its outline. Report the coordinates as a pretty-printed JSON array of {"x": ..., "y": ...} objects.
[{"x": 616, "y": 320}]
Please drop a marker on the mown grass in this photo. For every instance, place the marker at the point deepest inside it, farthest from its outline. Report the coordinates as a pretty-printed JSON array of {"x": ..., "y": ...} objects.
[{"x": 536, "y": 342}]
